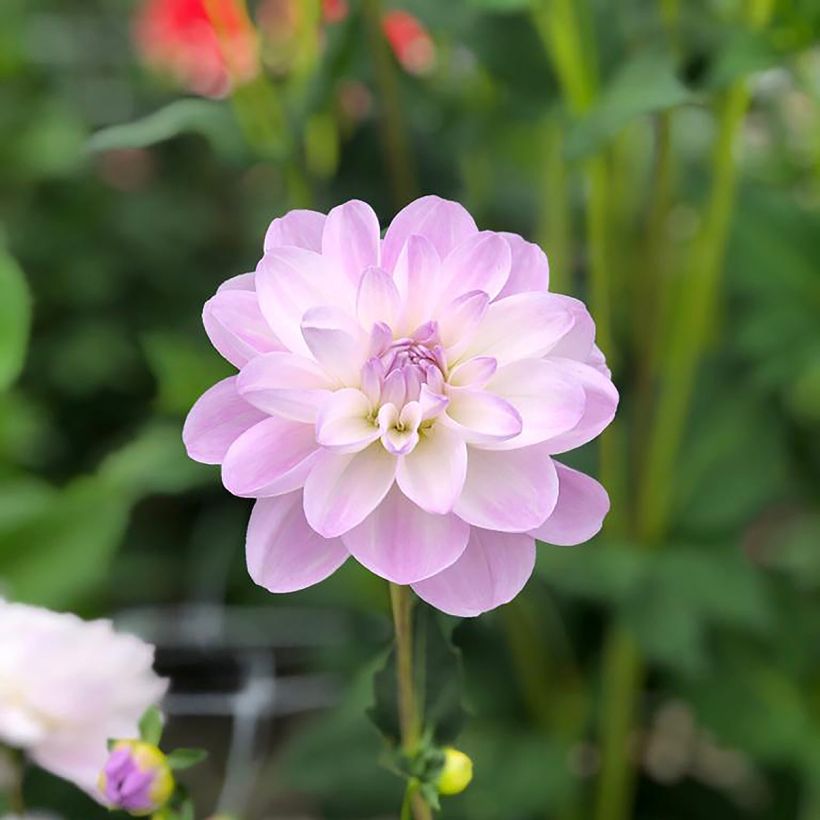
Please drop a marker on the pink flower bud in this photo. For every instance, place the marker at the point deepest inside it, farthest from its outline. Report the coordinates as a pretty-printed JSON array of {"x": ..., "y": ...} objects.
[{"x": 136, "y": 778}]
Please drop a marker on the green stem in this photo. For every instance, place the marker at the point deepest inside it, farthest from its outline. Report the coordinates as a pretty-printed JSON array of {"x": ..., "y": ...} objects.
[
  {"x": 554, "y": 231},
  {"x": 623, "y": 667},
  {"x": 691, "y": 323},
  {"x": 409, "y": 722},
  {"x": 651, "y": 273},
  {"x": 394, "y": 133},
  {"x": 622, "y": 673},
  {"x": 14, "y": 801}
]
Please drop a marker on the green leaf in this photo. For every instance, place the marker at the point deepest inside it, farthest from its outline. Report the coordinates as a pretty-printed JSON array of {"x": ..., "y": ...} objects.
[
  {"x": 153, "y": 462},
  {"x": 502, "y": 5},
  {"x": 151, "y": 726},
  {"x": 183, "y": 368},
  {"x": 211, "y": 119},
  {"x": 62, "y": 549},
  {"x": 185, "y": 758},
  {"x": 186, "y": 810},
  {"x": 15, "y": 319},
  {"x": 647, "y": 83},
  {"x": 743, "y": 53},
  {"x": 439, "y": 684}
]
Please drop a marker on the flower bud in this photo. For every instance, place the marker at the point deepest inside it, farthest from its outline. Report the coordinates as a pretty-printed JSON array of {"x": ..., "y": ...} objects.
[
  {"x": 136, "y": 778},
  {"x": 456, "y": 773}
]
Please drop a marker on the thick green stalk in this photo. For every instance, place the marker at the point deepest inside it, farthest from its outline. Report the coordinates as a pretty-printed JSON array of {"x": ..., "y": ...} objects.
[
  {"x": 554, "y": 232},
  {"x": 394, "y": 134},
  {"x": 623, "y": 666},
  {"x": 692, "y": 320},
  {"x": 409, "y": 722}
]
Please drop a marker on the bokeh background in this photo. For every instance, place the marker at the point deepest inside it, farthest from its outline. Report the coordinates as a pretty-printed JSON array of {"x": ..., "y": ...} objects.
[{"x": 665, "y": 154}]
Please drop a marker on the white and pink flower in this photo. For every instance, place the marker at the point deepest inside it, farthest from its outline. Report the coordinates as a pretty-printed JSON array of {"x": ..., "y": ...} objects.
[
  {"x": 67, "y": 686},
  {"x": 400, "y": 400}
]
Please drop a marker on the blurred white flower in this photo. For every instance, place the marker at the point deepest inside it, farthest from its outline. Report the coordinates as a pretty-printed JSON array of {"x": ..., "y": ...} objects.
[{"x": 67, "y": 685}]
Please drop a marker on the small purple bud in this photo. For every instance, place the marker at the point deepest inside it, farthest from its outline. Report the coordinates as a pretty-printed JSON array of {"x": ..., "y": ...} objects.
[{"x": 136, "y": 778}]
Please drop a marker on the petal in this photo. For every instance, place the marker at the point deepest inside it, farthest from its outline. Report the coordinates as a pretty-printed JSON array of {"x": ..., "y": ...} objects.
[
  {"x": 342, "y": 490},
  {"x": 417, "y": 279},
  {"x": 597, "y": 360},
  {"x": 378, "y": 299},
  {"x": 218, "y": 418},
  {"x": 511, "y": 491},
  {"x": 523, "y": 326},
  {"x": 403, "y": 543},
  {"x": 272, "y": 458},
  {"x": 490, "y": 572},
  {"x": 351, "y": 238},
  {"x": 600, "y": 404},
  {"x": 336, "y": 341},
  {"x": 529, "y": 268},
  {"x": 290, "y": 281},
  {"x": 579, "y": 513},
  {"x": 300, "y": 227},
  {"x": 474, "y": 372},
  {"x": 578, "y": 343},
  {"x": 283, "y": 553},
  {"x": 549, "y": 400},
  {"x": 433, "y": 474},
  {"x": 285, "y": 384},
  {"x": 460, "y": 320},
  {"x": 480, "y": 416},
  {"x": 480, "y": 262},
  {"x": 245, "y": 281},
  {"x": 236, "y": 327},
  {"x": 445, "y": 224},
  {"x": 344, "y": 423}
]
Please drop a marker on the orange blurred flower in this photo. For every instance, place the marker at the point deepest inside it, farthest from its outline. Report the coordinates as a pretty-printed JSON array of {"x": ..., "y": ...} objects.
[
  {"x": 208, "y": 46},
  {"x": 410, "y": 41}
]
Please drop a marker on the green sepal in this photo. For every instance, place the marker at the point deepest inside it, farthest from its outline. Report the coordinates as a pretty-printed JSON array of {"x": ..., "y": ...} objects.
[
  {"x": 185, "y": 758},
  {"x": 151, "y": 726}
]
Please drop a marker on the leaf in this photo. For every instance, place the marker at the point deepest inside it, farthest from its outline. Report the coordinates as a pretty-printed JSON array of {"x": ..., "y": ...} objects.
[
  {"x": 744, "y": 52},
  {"x": 439, "y": 684},
  {"x": 185, "y": 758},
  {"x": 609, "y": 572},
  {"x": 671, "y": 599},
  {"x": 211, "y": 119},
  {"x": 153, "y": 462},
  {"x": 151, "y": 726},
  {"x": 503, "y": 5},
  {"x": 184, "y": 369},
  {"x": 15, "y": 319},
  {"x": 647, "y": 83},
  {"x": 61, "y": 551}
]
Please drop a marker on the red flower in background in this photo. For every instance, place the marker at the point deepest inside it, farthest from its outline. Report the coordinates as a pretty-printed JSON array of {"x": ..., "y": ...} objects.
[
  {"x": 334, "y": 11},
  {"x": 410, "y": 41},
  {"x": 207, "y": 45}
]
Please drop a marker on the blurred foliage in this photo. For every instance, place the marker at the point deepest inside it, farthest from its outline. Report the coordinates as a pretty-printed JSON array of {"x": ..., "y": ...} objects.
[{"x": 124, "y": 203}]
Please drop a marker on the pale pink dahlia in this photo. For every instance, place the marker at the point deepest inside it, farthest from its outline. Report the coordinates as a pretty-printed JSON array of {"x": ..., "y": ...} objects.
[{"x": 400, "y": 400}]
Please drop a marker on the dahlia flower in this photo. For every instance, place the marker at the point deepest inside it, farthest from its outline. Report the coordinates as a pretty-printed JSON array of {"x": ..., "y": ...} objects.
[
  {"x": 410, "y": 41},
  {"x": 67, "y": 686},
  {"x": 400, "y": 400},
  {"x": 206, "y": 46}
]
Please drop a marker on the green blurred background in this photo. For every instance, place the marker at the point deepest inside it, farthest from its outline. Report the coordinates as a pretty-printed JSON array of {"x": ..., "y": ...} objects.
[{"x": 667, "y": 156}]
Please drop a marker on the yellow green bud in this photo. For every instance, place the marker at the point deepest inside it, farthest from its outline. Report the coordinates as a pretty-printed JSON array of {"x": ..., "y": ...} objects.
[{"x": 456, "y": 773}]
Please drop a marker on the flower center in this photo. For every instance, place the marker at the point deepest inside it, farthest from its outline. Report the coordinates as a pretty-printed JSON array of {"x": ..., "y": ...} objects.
[{"x": 404, "y": 365}]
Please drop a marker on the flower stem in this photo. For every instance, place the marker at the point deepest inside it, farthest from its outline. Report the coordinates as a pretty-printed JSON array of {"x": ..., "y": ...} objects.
[
  {"x": 394, "y": 133},
  {"x": 14, "y": 787},
  {"x": 409, "y": 724},
  {"x": 623, "y": 667}
]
